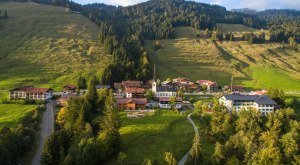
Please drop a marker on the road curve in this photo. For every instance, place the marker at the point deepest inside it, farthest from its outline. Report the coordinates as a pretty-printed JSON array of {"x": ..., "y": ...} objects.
[
  {"x": 184, "y": 159},
  {"x": 46, "y": 129}
]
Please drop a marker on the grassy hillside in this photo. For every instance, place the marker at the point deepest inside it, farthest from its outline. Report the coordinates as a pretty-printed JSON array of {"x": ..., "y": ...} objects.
[
  {"x": 255, "y": 66},
  {"x": 235, "y": 28},
  {"x": 47, "y": 46},
  {"x": 10, "y": 114}
]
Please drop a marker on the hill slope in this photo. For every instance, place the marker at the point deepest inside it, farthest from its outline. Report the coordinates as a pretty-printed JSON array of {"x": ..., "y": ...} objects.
[
  {"x": 47, "y": 46},
  {"x": 252, "y": 65}
]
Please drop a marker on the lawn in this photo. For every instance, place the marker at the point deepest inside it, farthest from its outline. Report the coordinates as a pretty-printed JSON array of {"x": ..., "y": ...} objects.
[
  {"x": 10, "y": 114},
  {"x": 150, "y": 137},
  {"x": 255, "y": 66},
  {"x": 233, "y": 28},
  {"x": 288, "y": 99},
  {"x": 3, "y": 94},
  {"x": 47, "y": 46}
]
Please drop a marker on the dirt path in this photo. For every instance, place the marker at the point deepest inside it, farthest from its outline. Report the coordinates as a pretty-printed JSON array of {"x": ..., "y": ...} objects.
[
  {"x": 46, "y": 129},
  {"x": 184, "y": 159}
]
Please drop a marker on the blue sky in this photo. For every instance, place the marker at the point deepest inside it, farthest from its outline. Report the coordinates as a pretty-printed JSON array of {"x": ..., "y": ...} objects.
[{"x": 229, "y": 4}]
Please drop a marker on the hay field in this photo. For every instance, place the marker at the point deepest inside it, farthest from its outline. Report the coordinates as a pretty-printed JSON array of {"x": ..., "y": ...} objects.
[{"x": 47, "y": 46}]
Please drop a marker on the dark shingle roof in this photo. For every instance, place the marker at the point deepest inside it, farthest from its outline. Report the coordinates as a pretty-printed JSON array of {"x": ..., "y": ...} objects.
[
  {"x": 256, "y": 98},
  {"x": 165, "y": 89}
]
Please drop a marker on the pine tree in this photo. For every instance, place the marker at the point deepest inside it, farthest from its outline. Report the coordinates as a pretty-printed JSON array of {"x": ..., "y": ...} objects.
[{"x": 196, "y": 153}]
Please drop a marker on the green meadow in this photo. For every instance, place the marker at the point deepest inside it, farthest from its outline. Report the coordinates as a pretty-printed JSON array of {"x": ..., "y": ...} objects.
[
  {"x": 255, "y": 66},
  {"x": 47, "y": 46},
  {"x": 153, "y": 135},
  {"x": 11, "y": 114}
]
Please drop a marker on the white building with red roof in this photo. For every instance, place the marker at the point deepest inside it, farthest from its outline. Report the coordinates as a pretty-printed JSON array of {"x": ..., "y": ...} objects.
[{"x": 31, "y": 93}]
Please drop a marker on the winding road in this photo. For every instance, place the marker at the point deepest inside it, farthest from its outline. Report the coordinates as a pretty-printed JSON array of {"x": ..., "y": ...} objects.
[
  {"x": 46, "y": 129},
  {"x": 184, "y": 159}
]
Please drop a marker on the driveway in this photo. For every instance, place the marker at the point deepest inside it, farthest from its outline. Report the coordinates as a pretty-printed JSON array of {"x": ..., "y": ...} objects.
[
  {"x": 184, "y": 159},
  {"x": 46, "y": 129}
]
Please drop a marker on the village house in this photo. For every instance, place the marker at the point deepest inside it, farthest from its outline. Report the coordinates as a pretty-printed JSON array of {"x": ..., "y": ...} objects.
[
  {"x": 167, "y": 83},
  {"x": 134, "y": 92},
  {"x": 234, "y": 88},
  {"x": 129, "y": 88},
  {"x": 131, "y": 103},
  {"x": 238, "y": 102},
  {"x": 163, "y": 91},
  {"x": 181, "y": 80},
  {"x": 188, "y": 86},
  {"x": 212, "y": 86},
  {"x": 69, "y": 88},
  {"x": 31, "y": 93},
  {"x": 128, "y": 84},
  {"x": 166, "y": 103}
]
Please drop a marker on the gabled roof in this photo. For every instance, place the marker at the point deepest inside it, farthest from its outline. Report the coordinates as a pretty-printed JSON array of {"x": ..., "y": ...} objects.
[
  {"x": 178, "y": 99},
  {"x": 166, "y": 89},
  {"x": 260, "y": 100},
  {"x": 206, "y": 82},
  {"x": 180, "y": 79},
  {"x": 141, "y": 101},
  {"x": 32, "y": 89},
  {"x": 134, "y": 90}
]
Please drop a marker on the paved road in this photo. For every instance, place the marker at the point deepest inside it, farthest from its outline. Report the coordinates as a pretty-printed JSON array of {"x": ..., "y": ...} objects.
[
  {"x": 46, "y": 129},
  {"x": 184, "y": 159}
]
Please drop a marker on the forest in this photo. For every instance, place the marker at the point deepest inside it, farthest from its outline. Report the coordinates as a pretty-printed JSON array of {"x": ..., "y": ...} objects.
[{"x": 87, "y": 130}]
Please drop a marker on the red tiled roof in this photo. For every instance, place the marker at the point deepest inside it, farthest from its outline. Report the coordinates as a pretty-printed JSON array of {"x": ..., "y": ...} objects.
[
  {"x": 142, "y": 101},
  {"x": 134, "y": 90},
  {"x": 32, "y": 89},
  {"x": 131, "y": 83},
  {"x": 206, "y": 82},
  {"x": 178, "y": 99},
  {"x": 180, "y": 79}
]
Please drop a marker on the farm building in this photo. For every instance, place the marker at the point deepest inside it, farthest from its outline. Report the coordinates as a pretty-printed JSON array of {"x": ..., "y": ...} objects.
[
  {"x": 131, "y": 103},
  {"x": 128, "y": 84},
  {"x": 134, "y": 92},
  {"x": 31, "y": 93}
]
